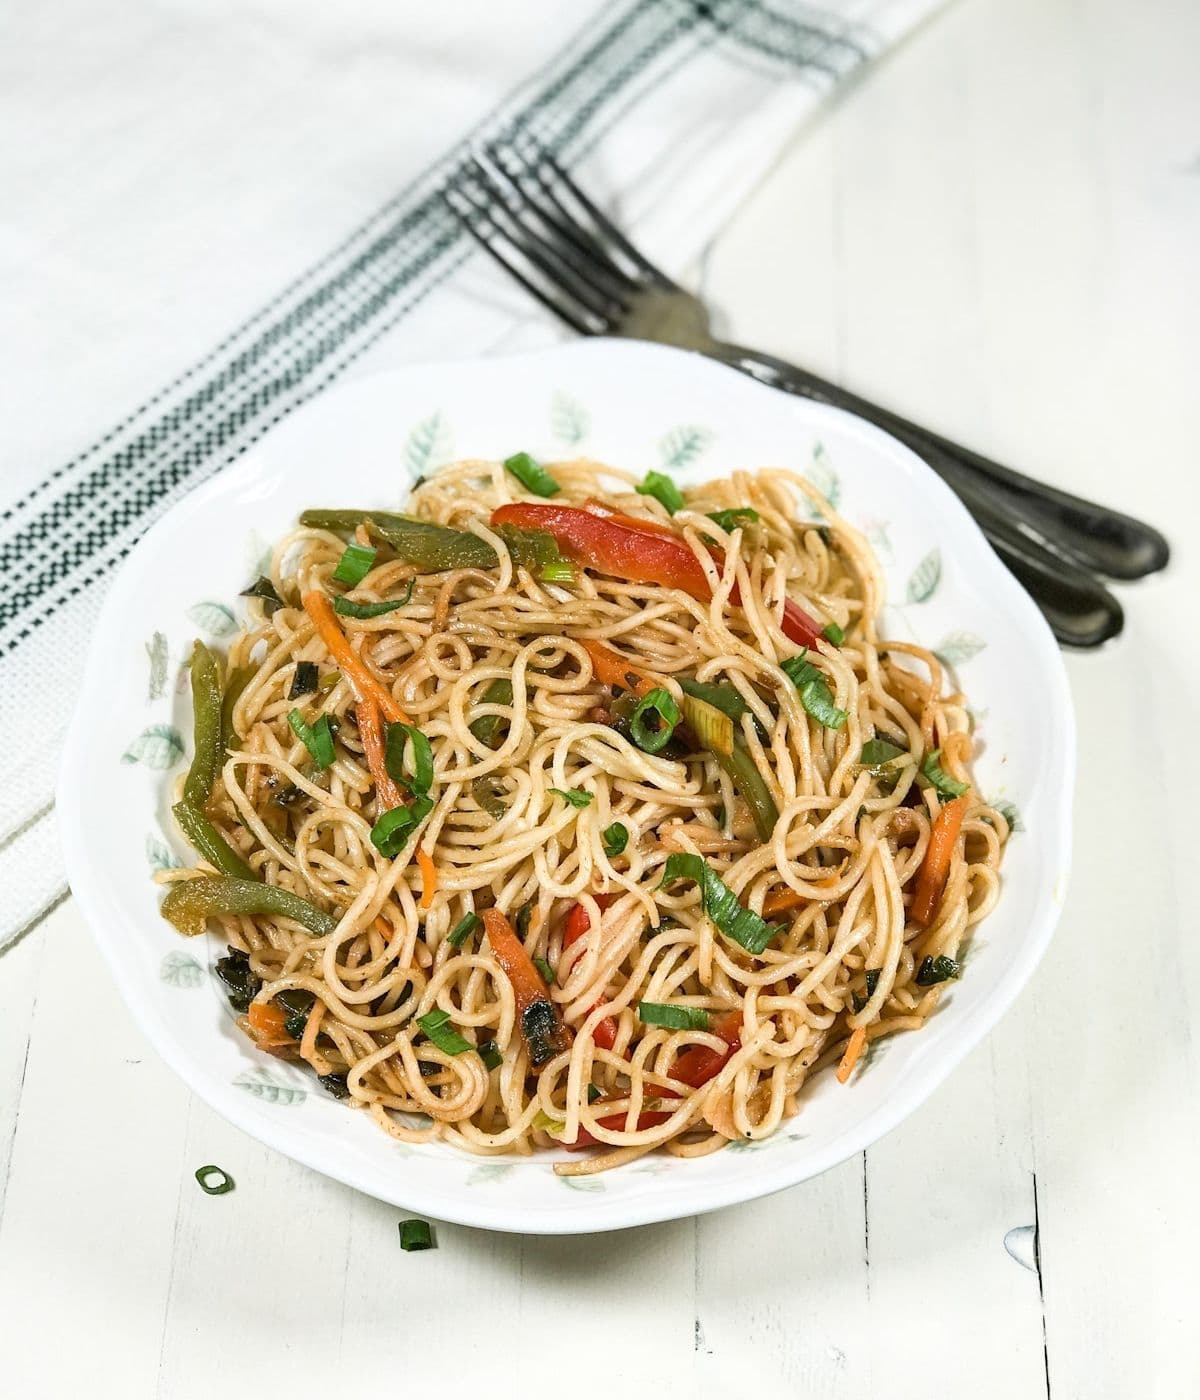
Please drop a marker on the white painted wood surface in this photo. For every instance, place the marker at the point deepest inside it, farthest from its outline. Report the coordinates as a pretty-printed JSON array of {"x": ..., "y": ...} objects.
[{"x": 998, "y": 231}]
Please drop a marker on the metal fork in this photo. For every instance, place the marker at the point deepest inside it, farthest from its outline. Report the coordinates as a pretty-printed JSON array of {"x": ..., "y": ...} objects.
[{"x": 519, "y": 203}]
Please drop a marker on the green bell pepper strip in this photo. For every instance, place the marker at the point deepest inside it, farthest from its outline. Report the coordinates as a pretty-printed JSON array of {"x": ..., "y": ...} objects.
[
  {"x": 239, "y": 679},
  {"x": 209, "y": 841},
  {"x": 206, "y": 708},
  {"x": 190, "y": 904},
  {"x": 746, "y": 778},
  {"x": 489, "y": 729},
  {"x": 430, "y": 548}
]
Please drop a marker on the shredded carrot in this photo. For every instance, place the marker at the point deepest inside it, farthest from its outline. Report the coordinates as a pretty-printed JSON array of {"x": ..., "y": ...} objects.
[
  {"x": 611, "y": 669},
  {"x": 854, "y": 1048},
  {"x": 541, "y": 1025},
  {"x": 782, "y": 902},
  {"x": 364, "y": 684},
  {"x": 935, "y": 868},
  {"x": 429, "y": 877},
  {"x": 370, "y": 730},
  {"x": 266, "y": 1016}
]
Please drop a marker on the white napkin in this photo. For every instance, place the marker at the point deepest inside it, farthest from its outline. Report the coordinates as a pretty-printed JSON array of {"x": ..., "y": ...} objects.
[{"x": 194, "y": 239}]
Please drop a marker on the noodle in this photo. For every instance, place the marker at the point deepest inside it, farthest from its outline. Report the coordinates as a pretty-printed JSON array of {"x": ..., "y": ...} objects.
[{"x": 520, "y": 821}]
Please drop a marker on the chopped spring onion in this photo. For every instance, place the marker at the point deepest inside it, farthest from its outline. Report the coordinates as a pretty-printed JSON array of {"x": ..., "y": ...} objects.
[
  {"x": 545, "y": 969},
  {"x": 462, "y": 930},
  {"x": 531, "y": 474},
  {"x": 419, "y": 778},
  {"x": 615, "y": 838},
  {"x": 304, "y": 680},
  {"x": 436, "y": 1026},
  {"x": 731, "y": 519},
  {"x": 489, "y": 1053},
  {"x": 348, "y": 608},
  {"x": 872, "y": 980},
  {"x": 833, "y": 633},
  {"x": 674, "y": 1018},
  {"x": 654, "y": 738},
  {"x": 724, "y": 696},
  {"x": 932, "y": 769},
  {"x": 316, "y": 738},
  {"x": 575, "y": 796},
  {"x": 712, "y": 727},
  {"x": 876, "y": 752},
  {"x": 264, "y": 590},
  {"x": 416, "y": 1234},
  {"x": 664, "y": 491},
  {"x": 721, "y": 905},
  {"x": 538, "y": 551},
  {"x": 355, "y": 564},
  {"x": 214, "y": 1181},
  {"x": 521, "y": 919},
  {"x": 594, "y": 1092},
  {"x": 815, "y": 694},
  {"x": 935, "y": 970},
  {"x": 490, "y": 729},
  {"x": 390, "y": 833}
]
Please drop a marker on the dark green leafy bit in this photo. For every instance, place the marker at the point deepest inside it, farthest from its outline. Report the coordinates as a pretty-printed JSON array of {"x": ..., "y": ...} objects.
[
  {"x": 575, "y": 796},
  {"x": 462, "y": 930},
  {"x": 815, "y": 694},
  {"x": 436, "y": 1025},
  {"x": 264, "y": 590},
  {"x": 664, "y": 491},
  {"x": 531, "y": 474},
  {"x": 542, "y": 1032},
  {"x": 334, "y": 1084},
  {"x": 653, "y": 720},
  {"x": 878, "y": 751},
  {"x": 401, "y": 738},
  {"x": 858, "y": 1000},
  {"x": 491, "y": 729},
  {"x": 522, "y": 918},
  {"x": 674, "y": 1018},
  {"x": 546, "y": 970},
  {"x": 214, "y": 1181},
  {"x": 416, "y": 1234},
  {"x": 348, "y": 608},
  {"x": 317, "y": 738},
  {"x": 296, "y": 1005},
  {"x": 304, "y": 680},
  {"x": 594, "y": 1092},
  {"x": 489, "y": 1053},
  {"x": 488, "y": 793},
  {"x": 355, "y": 564},
  {"x": 744, "y": 926},
  {"x": 935, "y": 970},
  {"x": 240, "y": 983},
  {"x": 833, "y": 633},
  {"x": 615, "y": 838},
  {"x": 732, "y": 519},
  {"x": 932, "y": 769},
  {"x": 390, "y": 833}
]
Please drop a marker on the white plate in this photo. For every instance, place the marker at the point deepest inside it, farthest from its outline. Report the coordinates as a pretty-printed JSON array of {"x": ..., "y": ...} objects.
[{"x": 634, "y": 405}]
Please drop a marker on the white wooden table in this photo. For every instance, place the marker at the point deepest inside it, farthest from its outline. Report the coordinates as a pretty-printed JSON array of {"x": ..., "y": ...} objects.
[{"x": 998, "y": 231}]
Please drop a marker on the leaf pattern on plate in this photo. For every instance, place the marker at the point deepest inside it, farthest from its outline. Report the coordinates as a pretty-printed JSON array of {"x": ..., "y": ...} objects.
[
  {"x": 1009, "y": 811},
  {"x": 179, "y": 969},
  {"x": 684, "y": 444},
  {"x": 158, "y": 746},
  {"x": 822, "y": 475},
  {"x": 258, "y": 555},
  {"x": 1021, "y": 1244},
  {"x": 582, "y": 1183},
  {"x": 876, "y": 532},
  {"x": 569, "y": 420},
  {"x": 262, "y": 1086},
  {"x": 159, "y": 854},
  {"x": 957, "y": 647},
  {"x": 156, "y": 650},
  {"x": 490, "y": 1171},
  {"x": 429, "y": 444},
  {"x": 214, "y": 618},
  {"x": 924, "y": 579}
]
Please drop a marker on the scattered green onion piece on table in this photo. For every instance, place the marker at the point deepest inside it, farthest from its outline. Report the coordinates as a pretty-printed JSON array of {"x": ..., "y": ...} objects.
[
  {"x": 833, "y": 633},
  {"x": 664, "y": 491},
  {"x": 653, "y": 739},
  {"x": 214, "y": 1181},
  {"x": 545, "y": 969},
  {"x": 745, "y": 927},
  {"x": 615, "y": 838},
  {"x": 390, "y": 833},
  {"x": 416, "y": 1234},
  {"x": 490, "y": 729},
  {"x": 935, "y": 970},
  {"x": 304, "y": 680},
  {"x": 363, "y": 611},
  {"x": 575, "y": 796},
  {"x": 264, "y": 590},
  {"x": 462, "y": 930},
  {"x": 399, "y": 738},
  {"x": 206, "y": 839},
  {"x": 436, "y": 1026},
  {"x": 355, "y": 564},
  {"x": 722, "y": 696},
  {"x": 932, "y": 769},
  {"x": 317, "y": 738},
  {"x": 674, "y": 1018},
  {"x": 206, "y": 723},
  {"x": 191, "y": 903},
  {"x": 814, "y": 690},
  {"x": 489, "y": 1053},
  {"x": 531, "y": 474}
]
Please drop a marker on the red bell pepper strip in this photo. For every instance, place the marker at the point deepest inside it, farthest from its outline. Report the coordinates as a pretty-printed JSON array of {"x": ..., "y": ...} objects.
[
  {"x": 636, "y": 550},
  {"x": 578, "y": 923}
]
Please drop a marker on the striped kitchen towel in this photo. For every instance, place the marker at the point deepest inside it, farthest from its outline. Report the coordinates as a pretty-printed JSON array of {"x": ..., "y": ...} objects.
[{"x": 178, "y": 165}]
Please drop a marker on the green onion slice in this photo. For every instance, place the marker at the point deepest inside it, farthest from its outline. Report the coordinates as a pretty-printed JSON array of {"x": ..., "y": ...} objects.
[
  {"x": 420, "y": 776},
  {"x": 355, "y": 564},
  {"x": 815, "y": 694},
  {"x": 575, "y": 796},
  {"x": 615, "y": 838},
  {"x": 390, "y": 833},
  {"x": 664, "y": 491},
  {"x": 317, "y": 738},
  {"x": 462, "y": 930},
  {"x": 932, "y": 769},
  {"x": 436, "y": 1025},
  {"x": 545, "y": 969},
  {"x": 731, "y": 519},
  {"x": 674, "y": 1018},
  {"x": 348, "y": 608},
  {"x": 833, "y": 633},
  {"x": 416, "y": 1234},
  {"x": 935, "y": 970},
  {"x": 304, "y": 680},
  {"x": 538, "y": 551},
  {"x": 214, "y": 1181},
  {"x": 879, "y": 751},
  {"x": 531, "y": 474},
  {"x": 654, "y": 738},
  {"x": 264, "y": 590},
  {"x": 721, "y": 905},
  {"x": 489, "y": 1053}
]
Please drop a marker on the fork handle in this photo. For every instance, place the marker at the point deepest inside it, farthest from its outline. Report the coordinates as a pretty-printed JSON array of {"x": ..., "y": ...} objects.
[{"x": 1093, "y": 535}]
